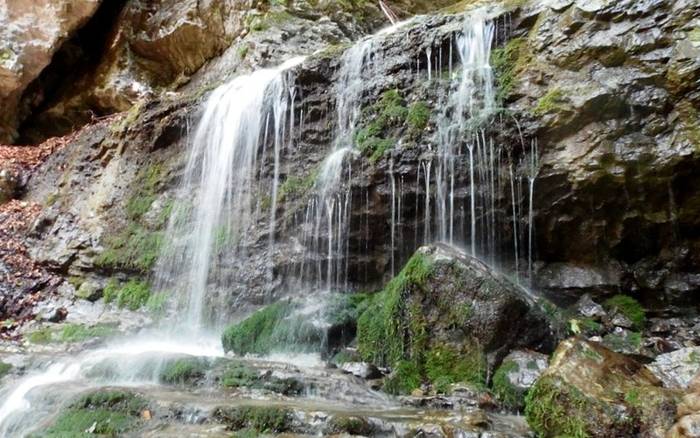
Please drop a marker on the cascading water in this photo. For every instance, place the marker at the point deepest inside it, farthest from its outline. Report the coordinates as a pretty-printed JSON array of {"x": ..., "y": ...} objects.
[{"x": 222, "y": 171}]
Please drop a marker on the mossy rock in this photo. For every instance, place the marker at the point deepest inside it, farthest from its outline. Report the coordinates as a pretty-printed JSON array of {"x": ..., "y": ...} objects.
[
  {"x": 104, "y": 412},
  {"x": 282, "y": 327},
  {"x": 352, "y": 425},
  {"x": 590, "y": 391},
  {"x": 628, "y": 307},
  {"x": 255, "y": 418},
  {"x": 438, "y": 320},
  {"x": 239, "y": 375},
  {"x": 5, "y": 368},
  {"x": 184, "y": 371}
]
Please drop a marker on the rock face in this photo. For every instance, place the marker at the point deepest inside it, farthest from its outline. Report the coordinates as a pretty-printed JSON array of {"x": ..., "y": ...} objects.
[
  {"x": 448, "y": 316},
  {"x": 32, "y": 31},
  {"x": 589, "y": 390},
  {"x": 688, "y": 413},
  {"x": 678, "y": 368}
]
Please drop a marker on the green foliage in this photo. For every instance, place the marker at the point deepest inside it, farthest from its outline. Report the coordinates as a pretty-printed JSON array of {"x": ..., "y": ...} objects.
[
  {"x": 4, "y": 368},
  {"x": 553, "y": 101},
  {"x": 502, "y": 387},
  {"x": 258, "y": 418},
  {"x": 80, "y": 332},
  {"x": 108, "y": 413},
  {"x": 146, "y": 183},
  {"x": 133, "y": 295},
  {"x": 111, "y": 290},
  {"x": 239, "y": 375},
  {"x": 41, "y": 336},
  {"x": 418, "y": 116},
  {"x": 554, "y": 409},
  {"x": 507, "y": 62},
  {"x": 272, "y": 328},
  {"x": 243, "y": 52},
  {"x": 157, "y": 303},
  {"x": 405, "y": 378},
  {"x": 629, "y": 307},
  {"x": 134, "y": 248},
  {"x": 354, "y": 426},
  {"x": 184, "y": 371},
  {"x": 447, "y": 365},
  {"x": 624, "y": 342},
  {"x": 380, "y": 328},
  {"x": 295, "y": 187},
  {"x": 390, "y": 111}
]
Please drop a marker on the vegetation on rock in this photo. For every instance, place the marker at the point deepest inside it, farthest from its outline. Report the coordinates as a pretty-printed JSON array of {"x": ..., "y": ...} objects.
[
  {"x": 256, "y": 418},
  {"x": 629, "y": 308},
  {"x": 184, "y": 370},
  {"x": 103, "y": 412}
]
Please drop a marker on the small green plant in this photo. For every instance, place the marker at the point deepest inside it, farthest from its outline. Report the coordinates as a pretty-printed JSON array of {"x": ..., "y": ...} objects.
[
  {"x": 111, "y": 290},
  {"x": 628, "y": 307},
  {"x": 42, "y": 336},
  {"x": 80, "y": 332},
  {"x": 295, "y": 187},
  {"x": 133, "y": 295},
  {"x": 553, "y": 409},
  {"x": 502, "y": 387},
  {"x": 418, "y": 116},
  {"x": 552, "y": 101},
  {"x": 257, "y": 418},
  {"x": 406, "y": 378},
  {"x": 4, "y": 368},
  {"x": 243, "y": 52},
  {"x": 182, "y": 371},
  {"x": 157, "y": 303}
]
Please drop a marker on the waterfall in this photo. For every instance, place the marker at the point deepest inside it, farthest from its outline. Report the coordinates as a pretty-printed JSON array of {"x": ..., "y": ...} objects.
[
  {"x": 217, "y": 193},
  {"x": 217, "y": 198}
]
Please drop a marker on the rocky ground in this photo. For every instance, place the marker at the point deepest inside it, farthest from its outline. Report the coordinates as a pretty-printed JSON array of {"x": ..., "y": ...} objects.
[{"x": 605, "y": 344}]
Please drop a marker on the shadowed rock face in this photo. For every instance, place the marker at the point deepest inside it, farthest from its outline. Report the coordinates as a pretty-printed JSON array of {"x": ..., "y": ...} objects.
[
  {"x": 32, "y": 31},
  {"x": 603, "y": 87}
]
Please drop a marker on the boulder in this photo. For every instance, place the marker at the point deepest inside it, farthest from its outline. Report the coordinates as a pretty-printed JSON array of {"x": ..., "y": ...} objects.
[
  {"x": 446, "y": 318},
  {"x": 677, "y": 369},
  {"x": 516, "y": 375},
  {"x": 32, "y": 31},
  {"x": 688, "y": 414},
  {"x": 589, "y": 390}
]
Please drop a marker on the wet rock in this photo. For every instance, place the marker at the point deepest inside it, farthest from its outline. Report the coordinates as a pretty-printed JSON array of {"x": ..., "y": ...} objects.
[
  {"x": 688, "y": 414},
  {"x": 677, "y": 369},
  {"x": 590, "y": 390},
  {"x": 516, "y": 375},
  {"x": 589, "y": 308},
  {"x": 457, "y": 318},
  {"x": 89, "y": 290},
  {"x": 569, "y": 280},
  {"x": 362, "y": 370},
  {"x": 8, "y": 184},
  {"x": 623, "y": 341}
]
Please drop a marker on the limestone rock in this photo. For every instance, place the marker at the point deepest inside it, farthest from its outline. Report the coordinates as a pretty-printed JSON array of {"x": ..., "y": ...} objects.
[
  {"x": 589, "y": 390},
  {"x": 32, "y": 31},
  {"x": 677, "y": 369}
]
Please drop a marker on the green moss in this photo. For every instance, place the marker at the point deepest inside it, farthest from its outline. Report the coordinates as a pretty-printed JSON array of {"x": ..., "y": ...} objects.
[
  {"x": 450, "y": 366},
  {"x": 105, "y": 413},
  {"x": 405, "y": 378},
  {"x": 629, "y": 307},
  {"x": 629, "y": 342},
  {"x": 295, "y": 187},
  {"x": 355, "y": 426},
  {"x": 507, "y": 393},
  {"x": 243, "y": 52},
  {"x": 4, "y": 369},
  {"x": 257, "y": 418},
  {"x": 76, "y": 282},
  {"x": 555, "y": 409},
  {"x": 507, "y": 62},
  {"x": 111, "y": 290},
  {"x": 333, "y": 51},
  {"x": 418, "y": 116},
  {"x": 380, "y": 328},
  {"x": 133, "y": 295},
  {"x": 134, "y": 248},
  {"x": 80, "y": 332},
  {"x": 389, "y": 112},
  {"x": 393, "y": 332},
  {"x": 41, "y": 336},
  {"x": 553, "y": 101},
  {"x": 694, "y": 35},
  {"x": 239, "y": 375},
  {"x": 272, "y": 328},
  {"x": 184, "y": 371},
  {"x": 157, "y": 303}
]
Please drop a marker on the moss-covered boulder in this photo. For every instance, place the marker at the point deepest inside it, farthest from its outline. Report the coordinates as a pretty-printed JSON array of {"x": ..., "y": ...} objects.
[
  {"x": 104, "y": 412},
  {"x": 590, "y": 391},
  {"x": 322, "y": 323},
  {"x": 447, "y": 318}
]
